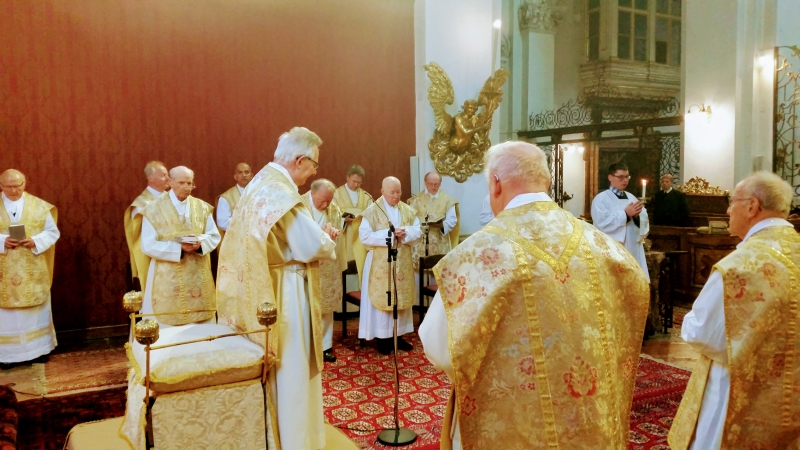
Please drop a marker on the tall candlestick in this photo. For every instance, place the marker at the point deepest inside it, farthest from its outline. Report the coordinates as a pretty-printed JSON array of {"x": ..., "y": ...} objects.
[{"x": 644, "y": 188}]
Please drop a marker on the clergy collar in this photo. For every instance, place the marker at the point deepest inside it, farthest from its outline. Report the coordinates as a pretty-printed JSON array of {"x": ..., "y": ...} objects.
[
  {"x": 766, "y": 223},
  {"x": 524, "y": 199},
  {"x": 350, "y": 190},
  {"x": 433, "y": 196},
  {"x": 175, "y": 200},
  {"x": 386, "y": 204},
  {"x": 6, "y": 199},
  {"x": 285, "y": 173},
  {"x": 241, "y": 189},
  {"x": 668, "y": 190},
  {"x": 155, "y": 193},
  {"x": 616, "y": 191}
]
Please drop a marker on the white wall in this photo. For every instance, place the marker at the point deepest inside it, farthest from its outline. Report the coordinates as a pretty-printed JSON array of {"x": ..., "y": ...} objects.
[{"x": 459, "y": 36}]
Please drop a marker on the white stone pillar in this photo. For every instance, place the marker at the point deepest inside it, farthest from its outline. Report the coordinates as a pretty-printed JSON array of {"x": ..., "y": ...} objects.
[
  {"x": 460, "y": 37},
  {"x": 537, "y": 65}
]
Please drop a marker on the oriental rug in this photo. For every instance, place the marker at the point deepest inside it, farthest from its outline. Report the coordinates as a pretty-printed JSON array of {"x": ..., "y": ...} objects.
[{"x": 359, "y": 396}]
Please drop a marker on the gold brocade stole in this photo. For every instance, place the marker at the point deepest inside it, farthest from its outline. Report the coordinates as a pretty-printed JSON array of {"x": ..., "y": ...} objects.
[
  {"x": 529, "y": 326},
  {"x": 435, "y": 210},
  {"x": 761, "y": 283},
  {"x": 330, "y": 272},
  {"x": 378, "y": 275},
  {"x": 25, "y": 278},
  {"x": 345, "y": 204},
  {"x": 231, "y": 196},
  {"x": 140, "y": 263},
  {"x": 185, "y": 285}
]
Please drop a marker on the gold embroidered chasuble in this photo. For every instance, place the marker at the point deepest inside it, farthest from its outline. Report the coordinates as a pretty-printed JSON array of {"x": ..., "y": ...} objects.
[
  {"x": 545, "y": 321},
  {"x": 187, "y": 284},
  {"x": 140, "y": 263},
  {"x": 343, "y": 201},
  {"x": 330, "y": 272},
  {"x": 379, "y": 278},
  {"x": 761, "y": 291},
  {"x": 435, "y": 209},
  {"x": 25, "y": 278},
  {"x": 251, "y": 265},
  {"x": 231, "y": 196}
]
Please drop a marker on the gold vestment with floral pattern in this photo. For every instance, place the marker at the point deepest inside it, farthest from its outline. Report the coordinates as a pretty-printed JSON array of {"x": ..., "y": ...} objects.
[
  {"x": 187, "y": 284},
  {"x": 434, "y": 210},
  {"x": 761, "y": 289},
  {"x": 545, "y": 321},
  {"x": 379, "y": 278},
  {"x": 25, "y": 278},
  {"x": 140, "y": 263},
  {"x": 343, "y": 201},
  {"x": 330, "y": 271}
]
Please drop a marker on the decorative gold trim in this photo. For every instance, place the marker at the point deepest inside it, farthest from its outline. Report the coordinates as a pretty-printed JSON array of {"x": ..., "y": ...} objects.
[
  {"x": 24, "y": 338},
  {"x": 699, "y": 186}
]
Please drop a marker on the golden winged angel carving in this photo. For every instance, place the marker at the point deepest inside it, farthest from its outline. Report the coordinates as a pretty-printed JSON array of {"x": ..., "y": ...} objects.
[{"x": 459, "y": 142}]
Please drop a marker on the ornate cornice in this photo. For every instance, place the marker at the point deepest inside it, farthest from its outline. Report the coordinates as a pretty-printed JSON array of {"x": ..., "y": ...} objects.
[
  {"x": 536, "y": 17},
  {"x": 699, "y": 186}
]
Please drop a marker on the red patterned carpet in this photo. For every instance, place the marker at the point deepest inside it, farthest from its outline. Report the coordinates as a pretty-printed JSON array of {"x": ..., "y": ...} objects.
[{"x": 359, "y": 396}]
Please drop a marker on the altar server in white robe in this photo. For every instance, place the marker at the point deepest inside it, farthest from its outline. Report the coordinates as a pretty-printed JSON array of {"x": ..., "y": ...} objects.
[
  {"x": 271, "y": 253},
  {"x": 621, "y": 215},
  {"x": 375, "y": 319},
  {"x": 165, "y": 221},
  {"x": 26, "y": 319}
]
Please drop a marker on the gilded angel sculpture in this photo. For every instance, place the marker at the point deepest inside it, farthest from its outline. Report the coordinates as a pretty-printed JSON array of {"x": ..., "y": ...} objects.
[{"x": 459, "y": 142}]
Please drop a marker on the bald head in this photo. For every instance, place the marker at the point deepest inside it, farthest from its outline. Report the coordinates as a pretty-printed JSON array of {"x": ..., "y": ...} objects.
[
  {"x": 514, "y": 168},
  {"x": 12, "y": 182},
  {"x": 433, "y": 181},
  {"x": 181, "y": 181},
  {"x": 391, "y": 190},
  {"x": 243, "y": 174},
  {"x": 156, "y": 174},
  {"x": 322, "y": 193}
]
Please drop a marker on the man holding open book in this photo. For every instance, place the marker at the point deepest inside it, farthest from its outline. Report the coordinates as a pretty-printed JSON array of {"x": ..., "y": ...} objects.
[
  {"x": 178, "y": 234},
  {"x": 28, "y": 233}
]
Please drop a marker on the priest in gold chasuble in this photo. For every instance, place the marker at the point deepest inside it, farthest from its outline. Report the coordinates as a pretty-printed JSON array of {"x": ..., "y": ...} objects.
[
  {"x": 325, "y": 212},
  {"x": 271, "y": 254},
  {"x": 178, "y": 234},
  {"x": 440, "y": 212},
  {"x": 375, "y": 316},
  {"x": 538, "y": 321},
  {"x": 744, "y": 392},
  {"x": 26, "y": 271},
  {"x": 352, "y": 200},
  {"x": 227, "y": 201},
  {"x": 157, "y": 182}
]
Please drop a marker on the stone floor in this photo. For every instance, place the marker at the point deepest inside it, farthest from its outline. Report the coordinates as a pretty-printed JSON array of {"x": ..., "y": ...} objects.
[{"x": 670, "y": 348}]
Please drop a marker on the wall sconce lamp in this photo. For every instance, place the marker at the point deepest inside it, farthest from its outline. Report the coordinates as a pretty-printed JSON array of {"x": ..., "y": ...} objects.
[{"x": 700, "y": 109}]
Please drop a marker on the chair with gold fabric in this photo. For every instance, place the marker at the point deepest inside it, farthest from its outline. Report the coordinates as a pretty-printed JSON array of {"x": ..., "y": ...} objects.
[{"x": 198, "y": 385}]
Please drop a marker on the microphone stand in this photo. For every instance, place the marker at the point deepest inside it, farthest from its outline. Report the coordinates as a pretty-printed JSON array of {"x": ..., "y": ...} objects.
[
  {"x": 394, "y": 437},
  {"x": 427, "y": 230}
]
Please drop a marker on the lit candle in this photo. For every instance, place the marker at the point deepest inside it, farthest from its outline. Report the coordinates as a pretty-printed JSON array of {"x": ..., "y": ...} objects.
[{"x": 644, "y": 188}]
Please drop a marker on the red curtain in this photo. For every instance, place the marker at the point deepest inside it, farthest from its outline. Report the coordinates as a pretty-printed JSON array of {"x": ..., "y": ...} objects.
[{"x": 91, "y": 90}]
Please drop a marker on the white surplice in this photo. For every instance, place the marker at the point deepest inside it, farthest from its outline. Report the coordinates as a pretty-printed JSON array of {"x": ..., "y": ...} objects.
[
  {"x": 297, "y": 379},
  {"x": 486, "y": 215},
  {"x": 433, "y": 330},
  {"x": 608, "y": 215},
  {"x": 16, "y": 322},
  {"x": 170, "y": 250},
  {"x": 704, "y": 329},
  {"x": 374, "y": 323},
  {"x": 224, "y": 212}
]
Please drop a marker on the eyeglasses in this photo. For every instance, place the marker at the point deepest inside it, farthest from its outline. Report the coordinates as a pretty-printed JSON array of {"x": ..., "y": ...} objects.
[
  {"x": 622, "y": 177},
  {"x": 733, "y": 200},
  {"x": 316, "y": 164}
]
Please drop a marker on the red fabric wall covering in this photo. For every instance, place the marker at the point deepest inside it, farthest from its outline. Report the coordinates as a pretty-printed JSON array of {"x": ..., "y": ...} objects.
[{"x": 90, "y": 90}]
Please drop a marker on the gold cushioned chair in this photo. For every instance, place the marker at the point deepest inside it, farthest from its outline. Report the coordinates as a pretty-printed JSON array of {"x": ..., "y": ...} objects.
[{"x": 198, "y": 385}]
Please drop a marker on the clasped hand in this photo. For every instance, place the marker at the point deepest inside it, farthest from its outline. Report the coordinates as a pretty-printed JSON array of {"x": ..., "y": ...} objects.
[
  {"x": 634, "y": 209},
  {"x": 14, "y": 243},
  {"x": 331, "y": 231},
  {"x": 400, "y": 234}
]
